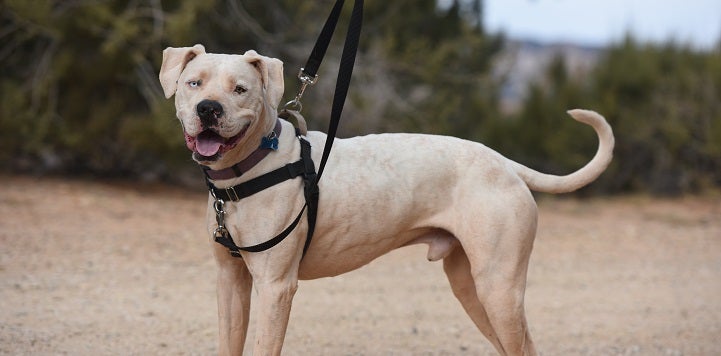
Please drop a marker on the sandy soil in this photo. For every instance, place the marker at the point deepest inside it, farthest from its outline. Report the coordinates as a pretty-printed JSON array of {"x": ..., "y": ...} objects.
[{"x": 91, "y": 268}]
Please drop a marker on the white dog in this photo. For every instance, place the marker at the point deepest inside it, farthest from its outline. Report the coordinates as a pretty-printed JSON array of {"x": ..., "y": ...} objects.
[{"x": 472, "y": 206}]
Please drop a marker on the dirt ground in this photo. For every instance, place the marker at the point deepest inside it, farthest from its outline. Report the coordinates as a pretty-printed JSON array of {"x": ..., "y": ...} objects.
[{"x": 90, "y": 268}]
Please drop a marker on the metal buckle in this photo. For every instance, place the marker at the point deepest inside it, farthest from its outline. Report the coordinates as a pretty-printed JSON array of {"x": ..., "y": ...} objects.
[{"x": 234, "y": 196}]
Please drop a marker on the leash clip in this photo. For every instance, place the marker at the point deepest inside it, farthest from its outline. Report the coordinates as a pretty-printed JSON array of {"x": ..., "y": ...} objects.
[
  {"x": 305, "y": 81},
  {"x": 221, "y": 234},
  {"x": 218, "y": 206}
]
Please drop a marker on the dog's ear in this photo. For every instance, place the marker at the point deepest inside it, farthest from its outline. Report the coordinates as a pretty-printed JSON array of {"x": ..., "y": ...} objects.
[
  {"x": 174, "y": 61},
  {"x": 271, "y": 72}
]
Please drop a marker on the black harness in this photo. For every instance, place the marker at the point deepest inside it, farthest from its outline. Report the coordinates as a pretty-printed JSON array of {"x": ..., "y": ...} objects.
[{"x": 304, "y": 167}]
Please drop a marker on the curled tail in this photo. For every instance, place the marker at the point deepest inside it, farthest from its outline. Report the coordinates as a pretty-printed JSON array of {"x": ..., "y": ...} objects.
[{"x": 549, "y": 183}]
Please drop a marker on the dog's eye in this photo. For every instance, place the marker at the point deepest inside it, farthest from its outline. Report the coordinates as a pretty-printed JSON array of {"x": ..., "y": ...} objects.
[
  {"x": 240, "y": 89},
  {"x": 194, "y": 83}
]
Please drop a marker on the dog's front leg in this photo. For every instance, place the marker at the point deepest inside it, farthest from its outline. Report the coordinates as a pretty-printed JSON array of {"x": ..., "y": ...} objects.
[
  {"x": 274, "y": 299},
  {"x": 234, "y": 287}
]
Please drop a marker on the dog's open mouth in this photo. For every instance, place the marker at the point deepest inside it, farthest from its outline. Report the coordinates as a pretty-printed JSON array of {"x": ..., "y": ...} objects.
[{"x": 209, "y": 145}]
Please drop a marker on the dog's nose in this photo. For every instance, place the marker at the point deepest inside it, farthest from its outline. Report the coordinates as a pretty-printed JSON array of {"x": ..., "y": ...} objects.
[{"x": 209, "y": 111}]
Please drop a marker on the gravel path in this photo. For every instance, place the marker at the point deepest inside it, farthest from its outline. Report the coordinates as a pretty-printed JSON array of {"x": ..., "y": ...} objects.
[{"x": 91, "y": 268}]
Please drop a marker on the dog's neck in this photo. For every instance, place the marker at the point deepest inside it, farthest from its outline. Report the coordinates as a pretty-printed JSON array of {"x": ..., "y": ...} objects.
[{"x": 268, "y": 144}]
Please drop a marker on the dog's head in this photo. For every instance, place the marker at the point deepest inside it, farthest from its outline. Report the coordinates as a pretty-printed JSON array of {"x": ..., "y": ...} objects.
[{"x": 225, "y": 103}]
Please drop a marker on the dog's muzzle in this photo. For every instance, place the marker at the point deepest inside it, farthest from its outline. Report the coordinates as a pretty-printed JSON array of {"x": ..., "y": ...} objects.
[{"x": 208, "y": 145}]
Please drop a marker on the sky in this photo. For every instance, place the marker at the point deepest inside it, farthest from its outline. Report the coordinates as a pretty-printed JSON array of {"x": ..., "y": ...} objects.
[{"x": 600, "y": 22}]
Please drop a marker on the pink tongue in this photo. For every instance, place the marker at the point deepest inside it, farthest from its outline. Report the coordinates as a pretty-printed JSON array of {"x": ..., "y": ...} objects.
[{"x": 208, "y": 143}]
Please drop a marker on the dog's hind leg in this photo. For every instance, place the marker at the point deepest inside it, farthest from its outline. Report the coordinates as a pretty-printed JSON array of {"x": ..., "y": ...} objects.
[
  {"x": 458, "y": 271},
  {"x": 499, "y": 265},
  {"x": 234, "y": 287},
  {"x": 505, "y": 311}
]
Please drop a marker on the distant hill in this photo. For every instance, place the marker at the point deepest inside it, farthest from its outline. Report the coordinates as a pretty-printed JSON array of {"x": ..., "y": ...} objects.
[{"x": 523, "y": 62}]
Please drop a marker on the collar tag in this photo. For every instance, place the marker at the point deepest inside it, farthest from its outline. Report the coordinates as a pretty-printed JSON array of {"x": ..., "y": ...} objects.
[{"x": 270, "y": 142}]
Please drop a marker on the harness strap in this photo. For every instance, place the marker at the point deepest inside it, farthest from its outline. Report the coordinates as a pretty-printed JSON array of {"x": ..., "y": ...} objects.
[
  {"x": 227, "y": 240},
  {"x": 304, "y": 168},
  {"x": 255, "y": 185}
]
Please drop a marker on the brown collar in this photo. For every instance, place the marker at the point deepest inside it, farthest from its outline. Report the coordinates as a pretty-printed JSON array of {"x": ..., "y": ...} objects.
[{"x": 269, "y": 144}]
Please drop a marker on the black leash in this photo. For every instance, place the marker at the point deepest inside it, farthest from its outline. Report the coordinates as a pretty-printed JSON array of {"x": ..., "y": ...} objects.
[
  {"x": 345, "y": 71},
  {"x": 305, "y": 166}
]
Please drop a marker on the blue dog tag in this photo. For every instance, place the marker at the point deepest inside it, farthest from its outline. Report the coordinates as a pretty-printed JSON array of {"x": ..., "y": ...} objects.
[{"x": 270, "y": 142}]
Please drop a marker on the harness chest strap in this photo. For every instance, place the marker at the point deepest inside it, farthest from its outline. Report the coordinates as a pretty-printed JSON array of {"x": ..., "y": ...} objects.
[{"x": 304, "y": 168}]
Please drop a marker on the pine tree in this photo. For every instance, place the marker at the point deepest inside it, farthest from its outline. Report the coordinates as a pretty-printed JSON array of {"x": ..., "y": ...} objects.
[{"x": 80, "y": 90}]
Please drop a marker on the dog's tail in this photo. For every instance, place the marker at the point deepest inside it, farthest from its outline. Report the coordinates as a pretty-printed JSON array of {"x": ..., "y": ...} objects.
[{"x": 562, "y": 184}]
